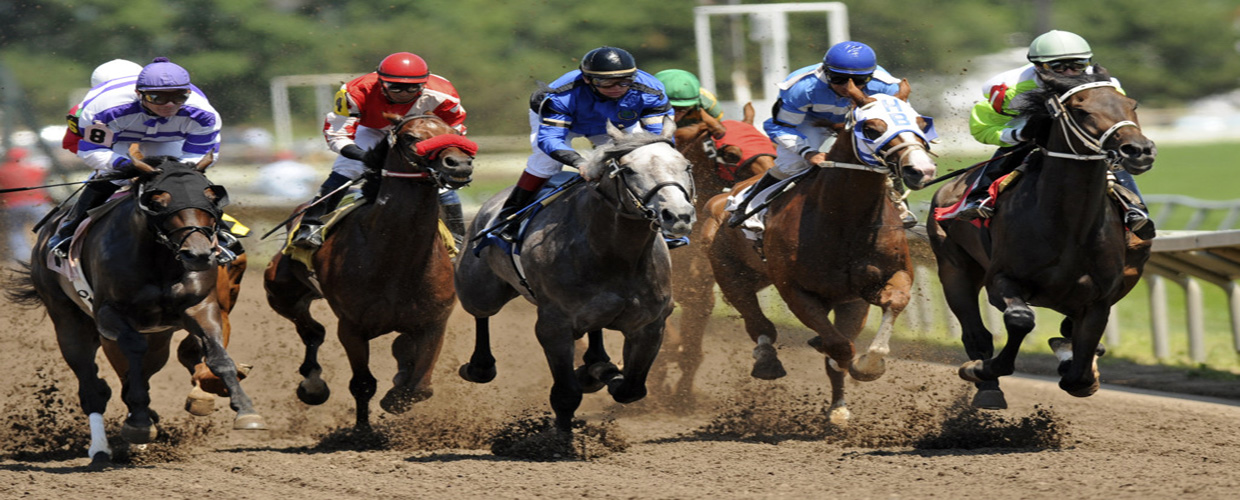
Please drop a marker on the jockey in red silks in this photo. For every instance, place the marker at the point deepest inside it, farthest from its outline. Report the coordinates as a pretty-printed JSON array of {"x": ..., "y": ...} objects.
[{"x": 402, "y": 85}]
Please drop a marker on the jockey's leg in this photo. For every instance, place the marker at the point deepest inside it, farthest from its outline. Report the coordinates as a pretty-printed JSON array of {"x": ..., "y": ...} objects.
[
  {"x": 95, "y": 194},
  {"x": 739, "y": 215},
  {"x": 521, "y": 196},
  {"x": 975, "y": 206},
  {"x": 310, "y": 234},
  {"x": 452, "y": 215},
  {"x": 1136, "y": 215}
]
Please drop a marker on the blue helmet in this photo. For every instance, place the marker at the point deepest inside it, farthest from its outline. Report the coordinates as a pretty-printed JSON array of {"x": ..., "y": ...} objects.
[
  {"x": 162, "y": 75},
  {"x": 851, "y": 58}
]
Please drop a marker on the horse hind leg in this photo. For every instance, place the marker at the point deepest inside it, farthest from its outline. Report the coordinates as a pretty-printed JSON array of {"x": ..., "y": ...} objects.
[
  {"x": 481, "y": 366},
  {"x": 960, "y": 289},
  {"x": 1078, "y": 355},
  {"x": 415, "y": 355},
  {"x": 741, "y": 292},
  {"x": 291, "y": 299},
  {"x": 596, "y": 370},
  {"x": 79, "y": 344},
  {"x": 1018, "y": 320},
  {"x": 640, "y": 349},
  {"x": 363, "y": 384}
]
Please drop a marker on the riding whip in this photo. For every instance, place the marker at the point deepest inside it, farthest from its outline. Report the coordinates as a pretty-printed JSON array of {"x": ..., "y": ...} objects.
[
  {"x": 970, "y": 167},
  {"x": 307, "y": 207}
]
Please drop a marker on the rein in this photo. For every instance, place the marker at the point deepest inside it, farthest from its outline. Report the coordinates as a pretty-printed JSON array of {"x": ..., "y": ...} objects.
[
  {"x": 1069, "y": 125},
  {"x": 420, "y": 157},
  {"x": 618, "y": 168}
]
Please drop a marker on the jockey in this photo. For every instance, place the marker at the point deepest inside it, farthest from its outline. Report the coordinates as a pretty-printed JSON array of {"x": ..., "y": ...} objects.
[
  {"x": 403, "y": 85},
  {"x": 160, "y": 110},
  {"x": 812, "y": 94},
  {"x": 111, "y": 70},
  {"x": 685, "y": 94},
  {"x": 993, "y": 120},
  {"x": 608, "y": 87}
]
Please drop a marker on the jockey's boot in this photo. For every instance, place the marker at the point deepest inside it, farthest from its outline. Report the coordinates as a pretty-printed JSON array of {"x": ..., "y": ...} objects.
[
  {"x": 1139, "y": 223},
  {"x": 1136, "y": 216},
  {"x": 454, "y": 218},
  {"x": 739, "y": 215},
  {"x": 517, "y": 199},
  {"x": 975, "y": 202},
  {"x": 310, "y": 232},
  {"x": 93, "y": 195}
]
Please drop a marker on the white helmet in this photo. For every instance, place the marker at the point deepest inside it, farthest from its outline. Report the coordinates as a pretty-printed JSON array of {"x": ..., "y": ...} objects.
[
  {"x": 111, "y": 70},
  {"x": 1055, "y": 45}
]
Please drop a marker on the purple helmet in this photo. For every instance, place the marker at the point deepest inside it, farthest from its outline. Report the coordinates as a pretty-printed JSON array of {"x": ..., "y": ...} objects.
[{"x": 162, "y": 75}]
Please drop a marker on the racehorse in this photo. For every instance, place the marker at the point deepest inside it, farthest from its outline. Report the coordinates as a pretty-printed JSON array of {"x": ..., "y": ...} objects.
[
  {"x": 593, "y": 259},
  {"x": 833, "y": 242},
  {"x": 149, "y": 261},
  {"x": 384, "y": 267},
  {"x": 1055, "y": 241},
  {"x": 721, "y": 153}
]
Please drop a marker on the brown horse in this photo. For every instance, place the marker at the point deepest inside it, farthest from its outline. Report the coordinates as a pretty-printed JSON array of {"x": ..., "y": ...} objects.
[
  {"x": 833, "y": 242},
  {"x": 1056, "y": 239},
  {"x": 721, "y": 154},
  {"x": 383, "y": 268},
  {"x": 150, "y": 267}
]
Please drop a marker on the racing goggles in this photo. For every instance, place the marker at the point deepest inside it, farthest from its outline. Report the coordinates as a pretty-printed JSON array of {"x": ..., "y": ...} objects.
[
  {"x": 1060, "y": 66},
  {"x": 161, "y": 98},
  {"x": 606, "y": 83},
  {"x": 843, "y": 78},
  {"x": 402, "y": 88}
]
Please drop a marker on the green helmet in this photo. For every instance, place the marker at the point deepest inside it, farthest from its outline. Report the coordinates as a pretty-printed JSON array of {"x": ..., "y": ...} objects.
[
  {"x": 682, "y": 87},
  {"x": 1055, "y": 45}
]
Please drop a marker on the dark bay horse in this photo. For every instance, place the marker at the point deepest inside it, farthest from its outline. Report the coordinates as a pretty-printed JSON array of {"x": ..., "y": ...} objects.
[
  {"x": 1056, "y": 239},
  {"x": 382, "y": 268},
  {"x": 151, "y": 269},
  {"x": 591, "y": 260},
  {"x": 834, "y": 242},
  {"x": 721, "y": 153}
]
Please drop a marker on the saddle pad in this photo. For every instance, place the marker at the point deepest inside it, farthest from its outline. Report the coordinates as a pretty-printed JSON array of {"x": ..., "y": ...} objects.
[
  {"x": 756, "y": 223},
  {"x": 350, "y": 203}
]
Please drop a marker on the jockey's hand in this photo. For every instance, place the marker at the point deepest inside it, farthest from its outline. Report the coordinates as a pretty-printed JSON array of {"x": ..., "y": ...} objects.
[
  {"x": 124, "y": 170},
  {"x": 815, "y": 157},
  {"x": 353, "y": 152}
]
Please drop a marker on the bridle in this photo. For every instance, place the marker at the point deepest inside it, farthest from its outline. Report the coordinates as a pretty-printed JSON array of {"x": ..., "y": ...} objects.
[
  {"x": 882, "y": 162},
  {"x": 628, "y": 202},
  {"x": 428, "y": 171},
  {"x": 155, "y": 221},
  {"x": 1071, "y": 129}
]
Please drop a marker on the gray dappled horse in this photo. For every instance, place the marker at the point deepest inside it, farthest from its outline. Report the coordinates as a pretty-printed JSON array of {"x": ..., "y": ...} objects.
[
  {"x": 591, "y": 260},
  {"x": 1057, "y": 240},
  {"x": 151, "y": 262},
  {"x": 834, "y": 243}
]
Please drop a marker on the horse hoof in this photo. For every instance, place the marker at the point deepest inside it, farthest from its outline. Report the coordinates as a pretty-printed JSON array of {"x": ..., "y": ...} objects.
[
  {"x": 991, "y": 399},
  {"x": 243, "y": 370},
  {"x": 839, "y": 416},
  {"x": 863, "y": 371},
  {"x": 100, "y": 460},
  {"x": 138, "y": 435},
  {"x": 475, "y": 375},
  {"x": 588, "y": 383},
  {"x": 250, "y": 422},
  {"x": 313, "y": 392},
  {"x": 968, "y": 371},
  {"x": 400, "y": 400},
  {"x": 766, "y": 365},
  {"x": 625, "y": 397},
  {"x": 816, "y": 343},
  {"x": 1082, "y": 392},
  {"x": 199, "y": 403}
]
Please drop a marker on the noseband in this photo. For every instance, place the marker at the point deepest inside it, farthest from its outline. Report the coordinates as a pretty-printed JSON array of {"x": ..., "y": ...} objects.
[
  {"x": 897, "y": 124},
  {"x": 422, "y": 159},
  {"x": 1071, "y": 129},
  {"x": 619, "y": 168}
]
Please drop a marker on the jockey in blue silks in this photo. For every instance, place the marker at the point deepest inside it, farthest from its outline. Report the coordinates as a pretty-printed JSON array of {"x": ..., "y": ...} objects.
[
  {"x": 812, "y": 94},
  {"x": 608, "y": 87}
]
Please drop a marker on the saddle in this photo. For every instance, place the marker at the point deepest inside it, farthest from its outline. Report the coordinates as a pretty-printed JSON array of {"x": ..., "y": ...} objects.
[{"x": 547, "y": 194}]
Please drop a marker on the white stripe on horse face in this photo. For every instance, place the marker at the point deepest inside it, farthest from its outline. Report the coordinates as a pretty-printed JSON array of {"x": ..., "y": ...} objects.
[
  {"x": 918, "y": 159},
  {"x": 660, "y": 164}
]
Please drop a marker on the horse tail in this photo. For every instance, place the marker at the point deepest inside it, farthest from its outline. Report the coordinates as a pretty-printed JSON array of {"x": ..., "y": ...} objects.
[{"x": 19, "y": 286}]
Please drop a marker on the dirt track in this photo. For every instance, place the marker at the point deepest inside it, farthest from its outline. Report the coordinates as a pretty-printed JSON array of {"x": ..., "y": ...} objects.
[{"x": 745, "y": 438}]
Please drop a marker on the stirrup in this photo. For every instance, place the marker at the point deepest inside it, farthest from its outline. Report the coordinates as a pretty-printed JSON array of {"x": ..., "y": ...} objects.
[
  {"x": 1139, "y": 224},
  {"x": 739, "y": 216},
  {"x": 309, "y": 236},
  {"x": 673, "y": 243},
  {"x": 61, "y": 249},
  {"x": 976, "y": 210}
]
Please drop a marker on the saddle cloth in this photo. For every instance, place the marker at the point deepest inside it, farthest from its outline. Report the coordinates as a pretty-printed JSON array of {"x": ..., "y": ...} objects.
[
  {"x": 755, "y": 225},
  {"x": 349, "y": 203}
]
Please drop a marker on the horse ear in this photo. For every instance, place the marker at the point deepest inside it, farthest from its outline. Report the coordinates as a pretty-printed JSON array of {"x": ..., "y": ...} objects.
[
  {"x": 669, "y": 127},
  {"x": 205, "y": 162},
  {"x": 858, "y": 97},
  {"x": 217, "y": 194},
  {"x": 749, "y": 113},
  {"x": 614, "y": 132},
  {"x": 905, "y": 90},
  {"x": 135, "y": 155}
]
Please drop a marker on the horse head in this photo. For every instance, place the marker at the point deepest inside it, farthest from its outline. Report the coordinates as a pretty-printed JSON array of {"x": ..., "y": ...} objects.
[
  {"x": 427, "y": 143},
  {"x": 1086, "y": 117},
  {"x": 886, "y": 130},
  {"x": 649, "y": 175},
  {"x": 183, "y": 207}
]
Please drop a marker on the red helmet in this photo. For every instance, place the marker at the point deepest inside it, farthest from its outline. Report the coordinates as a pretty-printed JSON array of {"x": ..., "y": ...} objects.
[{"x": 403, "y": 67}]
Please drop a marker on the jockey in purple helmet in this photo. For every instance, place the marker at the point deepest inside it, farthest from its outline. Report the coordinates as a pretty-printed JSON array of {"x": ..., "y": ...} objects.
[
  {"x": 162, "y": 112},
  {"x": 812, "y": 94}
]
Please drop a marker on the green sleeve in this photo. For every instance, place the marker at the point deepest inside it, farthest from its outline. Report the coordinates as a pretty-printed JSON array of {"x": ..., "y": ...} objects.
[
  {"x": 987, "y": 125},
  {"x": 711, "y": 104}
]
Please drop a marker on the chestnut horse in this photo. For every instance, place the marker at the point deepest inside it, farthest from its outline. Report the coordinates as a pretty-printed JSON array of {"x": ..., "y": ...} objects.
[
  {"x": 1056, "y": 239},
  {"x": 591, "y": 260},
  {"x": 833, "y": 242},
  {"x": 384, "y": 267},
  {"x": 151, "y": 269},
  {"x": 721, "y": 153}
]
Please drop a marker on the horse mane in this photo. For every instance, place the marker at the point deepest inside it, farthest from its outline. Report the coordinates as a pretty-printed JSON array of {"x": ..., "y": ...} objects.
[
  {"x": 1032, "y": 104},
  {"x": 597, "y": 161}
]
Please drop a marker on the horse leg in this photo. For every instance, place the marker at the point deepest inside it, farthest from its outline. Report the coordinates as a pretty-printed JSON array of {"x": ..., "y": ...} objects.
[
  {"x": 1080, "y": 378},
  {"x": 291, "y": 299},
  {"x": 416, "y": 352},
  {"x": 79, "y": 344},
  {"x": 1018, "y": 320},
  {"x": 557, "y": 345},
  {"x": 481, "y": 366},
  {"x": 742, "y": 293},
  {"x": 892, "y": 299},
  {"x": 961, "y": 285},
  {"x": 836, "y": 343},
  {"x": 640, "y": 349},
  {"x": 596, "y": 368},
  {"x": 363, "y": 384},
  {"x": 206, "y": 385},
  {"x": 203, "y": 322}
]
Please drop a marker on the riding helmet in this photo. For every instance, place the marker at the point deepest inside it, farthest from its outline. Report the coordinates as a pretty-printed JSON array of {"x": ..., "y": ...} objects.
[
  {"x": 682, "y": 87},
  {"x": 1056, "y": 45},
  {"x": 608, "y": 62},
  {"x": 162, "y": 75},
  {"x": 851, "y": 58},
  {"x": 403, "y": 67},
  {"x": 111, "y": 70}
]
